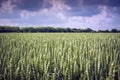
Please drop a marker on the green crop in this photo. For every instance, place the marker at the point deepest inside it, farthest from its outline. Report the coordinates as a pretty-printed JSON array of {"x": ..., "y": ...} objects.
[{"x": 59, "y": 56}]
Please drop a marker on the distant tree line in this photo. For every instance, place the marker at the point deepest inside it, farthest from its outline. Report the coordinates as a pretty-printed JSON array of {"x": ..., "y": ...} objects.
[{"x": 50, "y": 29}]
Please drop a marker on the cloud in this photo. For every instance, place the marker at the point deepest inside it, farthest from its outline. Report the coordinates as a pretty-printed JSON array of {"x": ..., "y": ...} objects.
[
  {"x": 114, "y": 3},
  {"x": 7, "y": 6},
  {"x": 57, "y": 10},
  {"x": 103, "y": 20},
  {"x": 54, "y": 17},
  {"x": 42, "y": 16},
  {"x": 82, "y": 3},
  {"x": 31, "y": 5},
  {"x": 59, "y": 4},
  {"x": 60, "y": 13},
  {"x": 35, "y": 5}
]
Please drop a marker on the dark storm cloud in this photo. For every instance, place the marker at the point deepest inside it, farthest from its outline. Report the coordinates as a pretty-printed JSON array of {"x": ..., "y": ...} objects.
[
  {"x": 90, "y": 7},
  {"x": 115, "y": 3},
  {"x": 1, "y": 1},
  {"x": 72, "y": 2},
  {"x": 103, "y": 2},
  {"x": 95, "y": 2},
  {"x": 87, "y": 11},
  {"x": 32, "y": 5}
]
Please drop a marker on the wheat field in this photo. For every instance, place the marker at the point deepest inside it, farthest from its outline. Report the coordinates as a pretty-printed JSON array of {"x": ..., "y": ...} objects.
[{"x": 59, "y": 56}]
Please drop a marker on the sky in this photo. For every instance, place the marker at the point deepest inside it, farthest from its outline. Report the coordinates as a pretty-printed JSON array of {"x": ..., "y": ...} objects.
[{"x": 94, "y": 14}]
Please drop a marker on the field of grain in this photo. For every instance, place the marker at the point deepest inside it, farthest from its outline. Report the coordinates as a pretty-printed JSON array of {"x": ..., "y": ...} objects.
[{"x": 59, "y": 56}]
